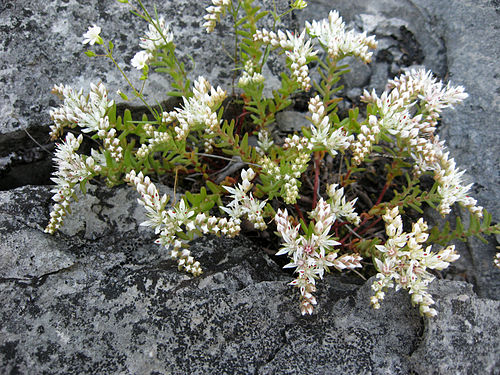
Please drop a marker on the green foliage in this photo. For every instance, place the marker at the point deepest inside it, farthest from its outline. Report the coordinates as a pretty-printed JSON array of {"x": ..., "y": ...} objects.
[
  {"x": 167, "y": 63},
  {"x": 476, "y": 228}
]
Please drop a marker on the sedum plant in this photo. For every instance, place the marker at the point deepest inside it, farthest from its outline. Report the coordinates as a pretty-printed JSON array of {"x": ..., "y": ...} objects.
[{"x": 272, "y": 183}]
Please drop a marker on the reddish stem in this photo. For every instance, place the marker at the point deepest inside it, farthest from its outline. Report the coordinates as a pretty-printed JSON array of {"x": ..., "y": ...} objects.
[
  {"x": 354, "y": 230},
  {"x": 239, "y": 120},
  {"x": 342, "y": 182},
  {"x": 299, "y": 212},
  {"x": 349, "y": 234},
  {"x": 386, "y": 186},
  {"x": 370, "y": 226}
]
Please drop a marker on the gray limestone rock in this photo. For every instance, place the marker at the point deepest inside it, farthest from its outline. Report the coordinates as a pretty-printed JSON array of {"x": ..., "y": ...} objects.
[
  {"x": 359, "y": 74},
  {"x": 291, "y": 121},
  {"x": 463, "y": 338}
]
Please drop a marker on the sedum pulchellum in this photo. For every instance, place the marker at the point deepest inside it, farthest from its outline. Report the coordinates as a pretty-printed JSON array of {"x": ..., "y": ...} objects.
[
  {"x": 404, "y": 260},
  {"x": 251, "y": 179},
  {"x": 72, "y": 169},
  {"x": 314, "y": 252}
]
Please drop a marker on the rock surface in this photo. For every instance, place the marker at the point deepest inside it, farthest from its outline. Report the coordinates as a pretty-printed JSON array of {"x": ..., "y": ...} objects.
[
  {"x": 100, "y": 298},
  {"x": 41, "y": 44}
]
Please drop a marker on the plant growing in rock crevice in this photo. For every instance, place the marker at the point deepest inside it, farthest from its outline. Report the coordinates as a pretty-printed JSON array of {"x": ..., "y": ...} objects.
[{"x": 267, "y": 183}]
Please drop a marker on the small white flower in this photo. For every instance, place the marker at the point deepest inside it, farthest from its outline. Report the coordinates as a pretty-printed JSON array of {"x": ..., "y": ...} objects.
[
  {"x": 497, "y": 260},
  {"x": 92, "y": 35},
  {"x": 141, "y": 59},
  {"x": 190, "y": 226},
  {"x": 157, "y": 35},
  {"x": 337, "y": 41}
]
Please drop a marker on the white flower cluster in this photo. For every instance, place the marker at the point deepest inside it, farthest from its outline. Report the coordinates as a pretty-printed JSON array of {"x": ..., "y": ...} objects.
[
  {"x": 365, "y": 140},
  {"x": 264, "y": 142},
  {"x": 402, "y": 93},
  {"x": 340, "y": 207},
  {"x": 332, "y": 35},
  {"x": 297, "y": 49},
  {"x": 451, "y": 188},
  {"x": 394, "y": 107},
  {"x": 85, "y": 111},
  {"x": 177, "y": 219},
  {"x": 312, "y": 255},
  {"x": 497, "y": 259},
  {"x": 149, "y": 129},
  {"x": 250, "y": 75},
  {"x": 244, "y": 204},
  {"x": 72, "y": 169},
  {"x": 433, "y": 95},
  {"x": 66, "y": 115},
  {"x": 150, "y": 200},
  {"x": 158, "y": 35},
  {"x": 199, "y": 111},
  {"x": 157, "y": 138},
  {"x": 289, "y": 172},
  {"x": 108, "y": 135},
  {"x": 214, "y": 12},
  {"x": 301, "y": 144},
  {"x": 396, "y": 104},
  {"x": 322, "y": 132},
  {"x": 404, "y": 261},
  {"x": 208, "y": 145}
]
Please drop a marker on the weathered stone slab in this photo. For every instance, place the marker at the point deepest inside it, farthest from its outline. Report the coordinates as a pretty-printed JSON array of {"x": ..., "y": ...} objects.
[{"x": 464, "y": 337}]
